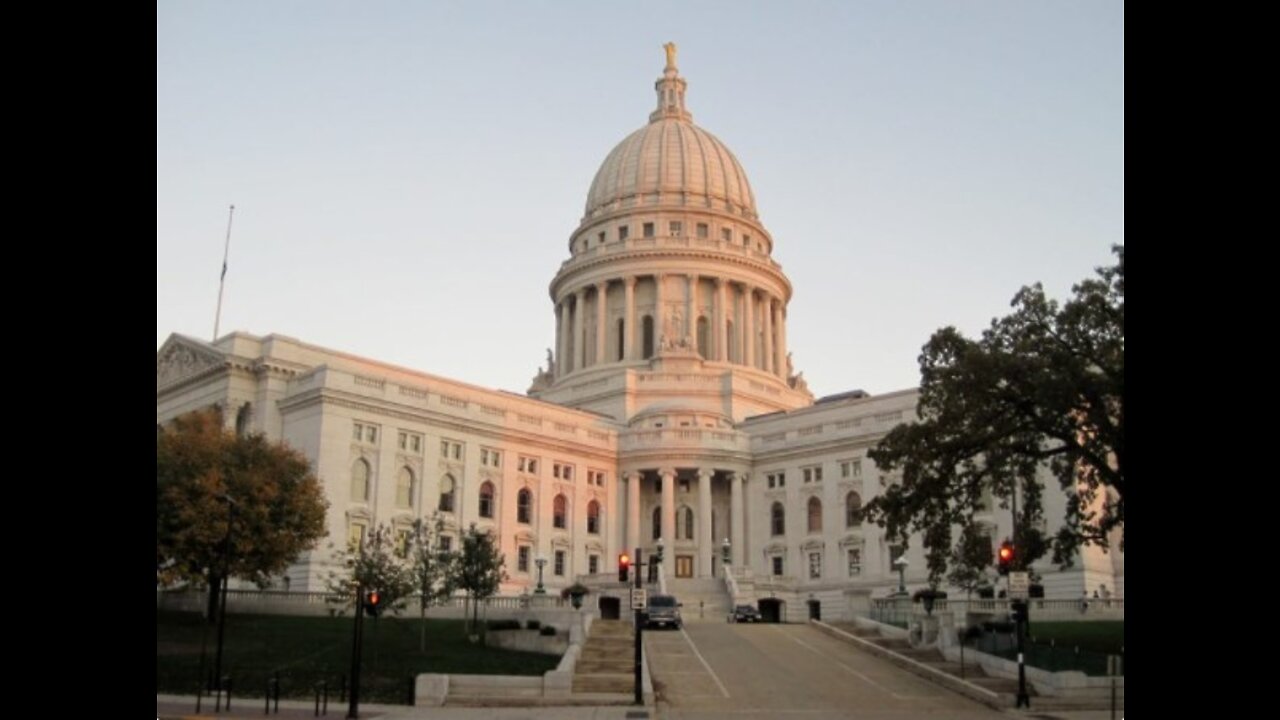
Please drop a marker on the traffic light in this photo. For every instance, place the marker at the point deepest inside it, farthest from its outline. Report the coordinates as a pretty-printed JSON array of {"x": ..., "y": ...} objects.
[
  {"x": 1004, "y": 559},
  {"x": 373, "y": 603},
  {"x": 624, "y": 564}
]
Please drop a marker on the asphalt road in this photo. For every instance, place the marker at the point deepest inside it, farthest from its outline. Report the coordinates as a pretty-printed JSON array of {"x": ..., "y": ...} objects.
[{"x": 717, "y": 670}]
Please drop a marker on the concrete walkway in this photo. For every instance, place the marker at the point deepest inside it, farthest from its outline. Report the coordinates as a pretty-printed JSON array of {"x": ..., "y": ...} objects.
[{"x": 176, "y": 707}]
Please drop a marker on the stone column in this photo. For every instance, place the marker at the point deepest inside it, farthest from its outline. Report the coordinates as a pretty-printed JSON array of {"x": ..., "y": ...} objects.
[
  {"x": 659, "y": 313},
  {"x": 706, "y": 543},
  {"x": 766, "y": 362},
  {"x": 738, "y": 537},
  {"x": 691, "y": 302},
  {"x": 717, "y": 332},
  {"x": 779, "y": 356},
  {"x": 749, "y": 326},
  {"x": 579, "y": 329},
  {"x": 563, "y": 363},
  {"x": 629, "y": 321},
  {"x": 633, "y": 510},
  {"x": 668, "y": 516},
  {"x": 782, "y": 339},
  {"x": 601, "y": 295}
]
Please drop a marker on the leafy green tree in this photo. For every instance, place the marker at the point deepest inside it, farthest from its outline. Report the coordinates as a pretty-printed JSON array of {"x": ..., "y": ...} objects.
[
  {"x": 1042, "y": 388},
  {"x": 970, "y": 559},
  {"x": 208, "y": 479},
  {"x": 376, "y": 564},
  {"x": 432, "y": 570},
  {"x": 479, "y": 569}
]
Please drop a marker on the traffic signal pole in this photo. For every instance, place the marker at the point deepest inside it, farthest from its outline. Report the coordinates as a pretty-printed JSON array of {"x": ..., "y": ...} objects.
[
  {"x": 353, "y": 709},
  {"x": 639, "y": 630}
]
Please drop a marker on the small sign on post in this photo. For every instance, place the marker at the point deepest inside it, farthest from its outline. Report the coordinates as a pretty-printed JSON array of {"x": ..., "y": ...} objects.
[
  {"x": 639, "y": 598},
  {"x": 1019, "y": 585}
]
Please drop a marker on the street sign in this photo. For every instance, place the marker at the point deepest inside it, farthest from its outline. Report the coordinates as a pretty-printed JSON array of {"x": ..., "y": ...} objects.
[
  {"x": 639, "y": 598},
  {"x": 1019, "y": 585}
]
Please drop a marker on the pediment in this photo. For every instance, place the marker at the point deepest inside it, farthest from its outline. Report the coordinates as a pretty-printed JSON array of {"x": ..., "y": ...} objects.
[{"x": 182, "y": 358}]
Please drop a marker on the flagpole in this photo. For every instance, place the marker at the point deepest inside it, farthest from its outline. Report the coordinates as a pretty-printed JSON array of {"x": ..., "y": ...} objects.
[{"x": 217, "y": 318}]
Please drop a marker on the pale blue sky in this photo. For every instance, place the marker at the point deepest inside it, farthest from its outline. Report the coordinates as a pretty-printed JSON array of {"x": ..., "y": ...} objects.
[{"x": 406, "y": 175}]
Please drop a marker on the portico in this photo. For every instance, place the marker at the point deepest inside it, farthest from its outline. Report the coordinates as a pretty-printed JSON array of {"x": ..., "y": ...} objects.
[{"x": 692, "y": 509}]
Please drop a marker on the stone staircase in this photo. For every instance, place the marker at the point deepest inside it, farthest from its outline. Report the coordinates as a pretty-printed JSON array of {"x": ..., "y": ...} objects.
[
  {"x": 705, "y": 597},
  {"x": 607, "y": 662}
]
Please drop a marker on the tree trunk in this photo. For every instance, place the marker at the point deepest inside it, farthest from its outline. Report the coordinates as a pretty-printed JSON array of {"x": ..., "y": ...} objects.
[{"x": 422, "y": 640}]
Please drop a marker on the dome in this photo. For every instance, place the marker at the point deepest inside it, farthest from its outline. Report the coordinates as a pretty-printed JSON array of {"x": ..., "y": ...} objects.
[{"x": 669, "y": 162}]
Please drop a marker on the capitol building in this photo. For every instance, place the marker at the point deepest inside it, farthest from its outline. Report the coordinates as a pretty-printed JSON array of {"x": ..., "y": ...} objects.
[{"x": 669, "y": 411}]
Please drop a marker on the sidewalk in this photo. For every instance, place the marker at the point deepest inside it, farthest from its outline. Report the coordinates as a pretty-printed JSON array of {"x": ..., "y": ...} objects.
[{"x": 179, "y": 707}]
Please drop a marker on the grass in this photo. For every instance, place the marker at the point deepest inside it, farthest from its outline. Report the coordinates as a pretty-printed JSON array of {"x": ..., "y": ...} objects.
[
  {"x": 306, "y": 650},
  {"x": 1106, "y": 637}
]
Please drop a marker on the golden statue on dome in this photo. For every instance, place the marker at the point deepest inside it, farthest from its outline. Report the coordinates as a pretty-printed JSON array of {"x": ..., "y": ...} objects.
[{"x": 671, "y": 55}]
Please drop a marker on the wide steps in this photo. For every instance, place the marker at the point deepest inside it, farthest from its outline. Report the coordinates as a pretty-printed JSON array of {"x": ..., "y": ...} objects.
[
  {"x": 606, "y": 664},
  {"x": 617, "y": 682}
]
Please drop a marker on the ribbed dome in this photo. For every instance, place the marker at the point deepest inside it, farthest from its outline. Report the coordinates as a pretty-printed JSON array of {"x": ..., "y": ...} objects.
[{"x": 671, "y": 162}]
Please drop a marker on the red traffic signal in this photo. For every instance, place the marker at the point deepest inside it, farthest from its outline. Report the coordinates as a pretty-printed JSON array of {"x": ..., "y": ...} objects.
[
  {"x": 624, "y": 564},
  {"x": 1004, "y": 558},
  {"x": 373, "y": 603}
]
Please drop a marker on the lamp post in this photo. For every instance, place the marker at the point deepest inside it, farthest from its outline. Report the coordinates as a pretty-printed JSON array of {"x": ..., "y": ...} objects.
[
  {"x": 222, "y": 608},
  {"x": 724, "y": 556},
  {"x": 901, "y": 562},
  {"x": 541, "y": 562}
]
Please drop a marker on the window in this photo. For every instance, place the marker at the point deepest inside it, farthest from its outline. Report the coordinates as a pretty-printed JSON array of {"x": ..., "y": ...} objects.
[
  {"x": 593, "y": 517},
  {"x": 703, "y": 230},
  {"x": 647, "y": 337},
  {"x": 450, "y": 450},
  {"x": 403, "y": 536},
  {"x": 746, "y": 241},
  {"x": 524, "y": 506},
  {"x": 851, "y": 468},
  {"x": 726, "y": 234},
  {"x": 446, "y": 544},
  {"x": 813, "y": 473},
  {"x": 777, "y": 564},
  {"x": 522, "y": 559},
  {"x": 815, "y": 515},
  {"x": 684, "y": 484},
  {"x": 559, "y": 563},
  {"x": 602, "y": 238},
  {"x": 688, "y": 523},
  {"x": 623, "y": 231},
  {"x": 778, "y": 479},
  {"x": 409, "y": 442},
  {"x": 528, "y": 465},
  {"x": 404, "y": 488},
  {"x": 559, "y": 509},
  {"x": 778, "y": 519},
  {"x": 490, "y": 457},
  {"x": 815, "y": 565},
  {"x": 595, "y": 477},
  {"x": 447, "y": 487},
  {"x": 562, "y": 471},
  {"x": 674, "y": 228},
  {"x": 593, "y": 564},
  {"x": 360, "y": 481},
  {"x": 648, "y": 230},
  {"x": 486, "y": 500},
  {"x": 355, "y": 535},
  {"x": 657, "y": 523},
  {"x": 364, "y": 433},
  {"x": 855, "y": 562},
  {"x": 853, "y": 510}
]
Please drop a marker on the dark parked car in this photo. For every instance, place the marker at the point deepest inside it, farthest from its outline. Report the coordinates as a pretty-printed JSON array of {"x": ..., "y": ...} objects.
[
  {"x": 745, "y": 613},
  {"x": 664, "y": 610}
]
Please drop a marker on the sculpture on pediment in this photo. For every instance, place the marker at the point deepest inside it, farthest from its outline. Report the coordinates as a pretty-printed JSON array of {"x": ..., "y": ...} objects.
[
  {"x": 545, "y": 376},
  {"x": 176, "y": 362}
]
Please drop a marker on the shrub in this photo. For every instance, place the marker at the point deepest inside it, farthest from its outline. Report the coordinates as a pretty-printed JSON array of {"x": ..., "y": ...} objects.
[
  {"x": 533, "y": 624},
  {"x": 548, "y": 631},
  {"x": 503, "y": 625}
]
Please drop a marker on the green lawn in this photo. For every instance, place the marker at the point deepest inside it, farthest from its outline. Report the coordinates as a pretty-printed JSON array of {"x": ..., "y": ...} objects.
[
  {"x": 1106, "y": 637},
  {"x": 305, "y": 650}
]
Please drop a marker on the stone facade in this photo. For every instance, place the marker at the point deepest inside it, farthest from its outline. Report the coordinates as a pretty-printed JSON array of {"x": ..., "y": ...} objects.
[{"x": 669, "y": 409}]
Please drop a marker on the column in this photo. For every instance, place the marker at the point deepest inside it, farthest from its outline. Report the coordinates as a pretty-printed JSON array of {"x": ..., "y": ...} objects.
[
  {"x": 739, "y": 521},
  {"x": 767, "y": 361},
  {"x": 749, "y": 325},
  {"x": 601, "y": 293},
  {"x": 779, "y": 359},
  {"x": 717, "y": 332},
  {"x": 579, "y": 329},
  {"x": 706, "y": 543},
  {"x": 659, "y": 319},
  {"x": 633, "y": 511},
  {"x": 629, "y": 322},
  {"x": 783, "y": 369},
  {"x": 691, "y": 324},
  {"x": 668, "y": 516}
]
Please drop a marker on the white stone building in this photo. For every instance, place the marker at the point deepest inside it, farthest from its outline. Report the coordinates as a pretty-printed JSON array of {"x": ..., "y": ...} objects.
[{"x": 669, "y": 410}]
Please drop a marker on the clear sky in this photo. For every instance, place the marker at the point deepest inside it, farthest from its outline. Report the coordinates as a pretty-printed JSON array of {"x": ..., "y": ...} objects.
[{"x": 406, "y": 175}]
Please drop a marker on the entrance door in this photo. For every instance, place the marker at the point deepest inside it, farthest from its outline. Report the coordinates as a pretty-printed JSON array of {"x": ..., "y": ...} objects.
[
  {"x": 771, "y": 610},
  {"x": 684, "y": 566},
  {"x": 610, "y": 608}
]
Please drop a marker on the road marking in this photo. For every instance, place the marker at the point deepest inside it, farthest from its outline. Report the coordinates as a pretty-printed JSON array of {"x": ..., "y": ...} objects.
[
  {"x": 704, "y": 662},
  {"x": 819, "y": 653}
]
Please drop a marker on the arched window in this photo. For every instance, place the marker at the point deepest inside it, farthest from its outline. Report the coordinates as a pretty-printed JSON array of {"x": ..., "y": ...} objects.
[
  {"x": 593, "y": 517},
  {"x": 647, "y": 332},
  {"x": 360, "y": 481},
  {"x": 486, "y": 499},
  {"x": 657, "y": 522},
  {"x": 242, "y": 420},
  {"x": 688, "y": 523},
  {"x": 404, "y": 488},
  {"x": 524, "y": 506},
  {"x": 852, "y": 510},
  {"x": 703, "y": 338},
  {"x": 778, "y": 517},
  {"x": 559, "y": 510},
  {"x": 622, "y": 338},
  {"x": 815, "y": 515},
  {"x": 447, "y": 488}
]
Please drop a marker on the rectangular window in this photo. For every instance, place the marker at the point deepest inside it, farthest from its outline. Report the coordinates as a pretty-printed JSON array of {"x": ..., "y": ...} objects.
[
  {"x": 402, "y": 542},
  {"x": 562, "y": 471},
  {"x": 602, "y": 238},
  {"x": 726, "y": 234},
  {"x": 355, "y": 535},
  {"x": 703, "y": 230},
  {"x": 674, "y": 228},
  {"x": 778, "y": 479},
  {"x": 777, "y": 564},
  {"x": 365, "y": 433},
  {"x": 450, "y": 449},
  {"x": 559, "y": 563},
  {"x": 593, "y": 564},
  {"x": 648, "y": 230},
  {"x": 623, "y": 231},
  {"x": 446, "y": 544},
  {"x": 851, "y": 468},
  {"x": 528, "y": 465},
  {"x": 815, "y": 565},
  {"x": 813, "y": 473},
  {"x": 746, "y": 240},
  {"x": 409, "y": 442},
  {"x": 855, "y": 562},
  {"x": 595, "y": 477},
  {"x": 522, "y": 559},
  {"x": 490, "y": 457}
]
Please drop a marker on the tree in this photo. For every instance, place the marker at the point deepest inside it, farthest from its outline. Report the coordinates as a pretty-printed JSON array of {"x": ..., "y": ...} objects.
[
  {"x": 1042, "y": 388},
  {"x": 479, "y": 568},
  {"x": 970, "y": 560},
  {"x": 432, "y": 571},
  {"x": 376, "y": 564},
  {"x": 276, "y": 508}
]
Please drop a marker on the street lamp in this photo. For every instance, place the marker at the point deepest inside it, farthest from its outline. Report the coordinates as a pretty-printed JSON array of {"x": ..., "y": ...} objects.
[
  {"x": 541, "y": 562},
  {"x": 222, "y": 609},
  {"x": 902, "y": 574},
  {"x": 724, "y": 551}
]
